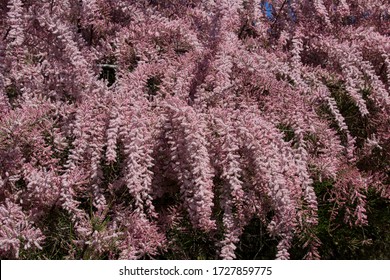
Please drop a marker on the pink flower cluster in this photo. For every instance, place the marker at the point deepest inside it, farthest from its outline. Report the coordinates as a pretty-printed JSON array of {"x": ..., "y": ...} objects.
[{"x": 131, "y": 116}]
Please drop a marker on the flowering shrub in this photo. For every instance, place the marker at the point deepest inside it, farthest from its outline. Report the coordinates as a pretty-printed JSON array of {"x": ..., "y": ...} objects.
[{"x": 131, "y": 119}]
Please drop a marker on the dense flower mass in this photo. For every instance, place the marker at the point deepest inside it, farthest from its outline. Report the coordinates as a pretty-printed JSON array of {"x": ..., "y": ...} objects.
[{"x": 126, "y": 118}]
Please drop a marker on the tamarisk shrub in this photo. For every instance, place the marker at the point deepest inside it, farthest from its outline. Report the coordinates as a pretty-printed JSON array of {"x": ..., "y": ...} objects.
[{"x": 131, "y": 116}]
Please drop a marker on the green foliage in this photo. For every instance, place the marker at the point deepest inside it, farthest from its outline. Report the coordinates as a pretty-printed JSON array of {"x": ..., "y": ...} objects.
[
  {"x": 255, "y": 243},
  {"x": 358, "y": 125},
  {"x": 188, "y": 243},
  {"x": 13, "y": 93},
  {"x": 58, "y": 228},
  {"x": 153, "y": 85},
  {"x": 340, "y": 241},
  {"x": 108, "y": 71},
  {"x": 288, "y": 132}
]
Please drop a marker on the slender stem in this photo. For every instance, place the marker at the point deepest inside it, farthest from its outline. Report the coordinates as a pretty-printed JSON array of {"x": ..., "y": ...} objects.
[
  {"x": 277, "y": 15},
  {"x": 113, "y": 66},
  {"x": 6, "y": 33}
]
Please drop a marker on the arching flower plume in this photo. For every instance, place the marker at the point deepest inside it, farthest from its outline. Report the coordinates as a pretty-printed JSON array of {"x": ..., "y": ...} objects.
[{"x": 130, "y": 121}]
